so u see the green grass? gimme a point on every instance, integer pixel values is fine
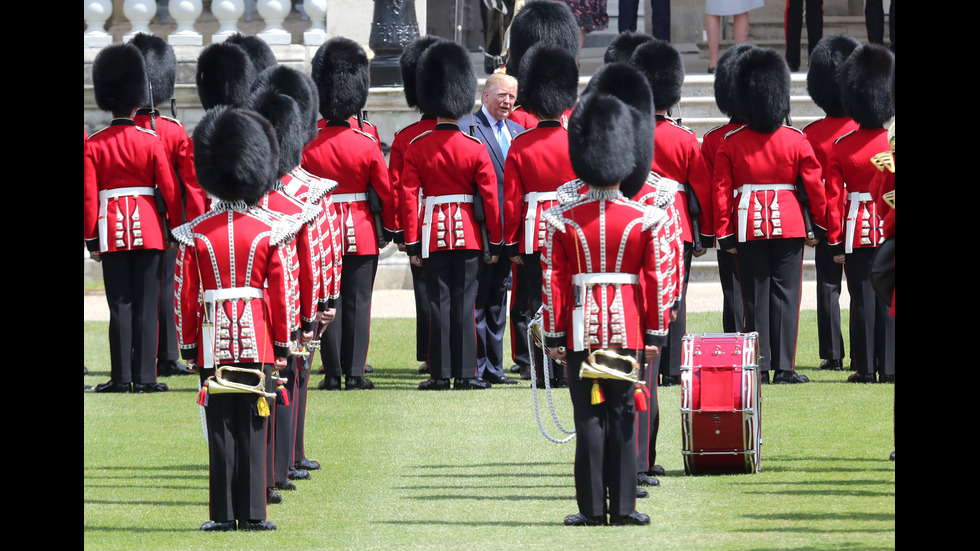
(404, 469)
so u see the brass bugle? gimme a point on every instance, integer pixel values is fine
(234, 379)
(592, 369)
(534, 329)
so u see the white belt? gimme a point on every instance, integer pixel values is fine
(104, 196)
(430, 203)
(855, 198)
(349, 197)
(606, 278)
(743, 203)
(232, 293)
(530, 231)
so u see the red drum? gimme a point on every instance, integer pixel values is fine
(720, 402)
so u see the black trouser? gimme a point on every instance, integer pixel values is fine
(648, 422)
(237, 454)
(829, 276)
(284, 422)
(298, 400)
(450, 284)
(872, 329)
(605, 443)
(132, 289)
(519, 316)
(732, 314)
(533, 280)
(874, 21)
(659, 17)
(793, 28)
(421, 314)
(167, 341)
(770, 273)
(344, 344)
(669, 360)
(491, 316)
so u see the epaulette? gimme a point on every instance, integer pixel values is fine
(184, 233)
(97, 131)
(807, 125)
(283, 229)
(569, 192)
(147, 130)
(363, 133)
(474, 138)
(735, 130)
(555, 216)
(679, 125)
(409, 125)
(666, 189)
(427, 132)
(171, 119)
(839, 138)
(793, 128)
(522, 132)
(653, 216)
(883, 160)
(713, 129)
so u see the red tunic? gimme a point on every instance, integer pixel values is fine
(771, 163)
(237, 250)
(180, 150)
(853, 217)
(677, 156)
(396, 162)
(312, 189)
(447, 168)
(537, 163)
(125, 165)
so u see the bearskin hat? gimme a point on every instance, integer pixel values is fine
(663, 66)
(866, 87)
(235, 154)
(119, 79)
(724, 84)
(160, 63)
(225, 73)
(409, 61)
(823, 76)
(286, 115)
(445, 82)
(762, 83)
(600, 140)
(342, 78)
(623, 44)
(297, 85)
(628, 84)
(541, 22)
(258, 50)
(548, 85)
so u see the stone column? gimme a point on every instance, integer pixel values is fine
(97, 13)
(185, 14)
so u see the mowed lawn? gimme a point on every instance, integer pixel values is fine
(470, 470)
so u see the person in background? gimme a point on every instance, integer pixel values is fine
(713, 12)
(659, 17)
(793, 29)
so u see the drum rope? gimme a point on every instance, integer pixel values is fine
(534, 392)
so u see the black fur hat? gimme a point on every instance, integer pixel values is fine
(548, 84)
(541, 22)
(343, 78)
(866, 85)
(628, 84)
(600, 140)
(160, 63)
(823, 76)
(297, 85)
(285, 115)
(663, 66)
(623, 44)
(408, 63)
(235, 154)
(762, 83)
(724, 84)
(445, 80)
(224, 75)
(119, 79)
(258, 50)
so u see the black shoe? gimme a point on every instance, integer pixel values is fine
(515, 368)
(358, 383)
(368, 368)
(272, 496)
(255, 525)
(656, 470)
(711, 70)
(788, 378)
(578, 519)
(171, 369)
(307, 464)
(423, 368)
(213, 526)
(832, 365)
(634, 518)
(892, 456)
(329, 383)
(886, 378)
(434, 384)
(526, 373)
(114, 387)
(858, 378)
(641, 492)
(764, 378)
(644, 479)
(298, 474)
(287, 485)
(86, 387)
(499, 380)
(471, 384)
(86, 370)
(670, 380)
(558, 383)
(146, 388)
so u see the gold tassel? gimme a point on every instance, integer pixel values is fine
(263, 407)
(597, 397)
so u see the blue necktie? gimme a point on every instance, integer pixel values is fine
(502, 138)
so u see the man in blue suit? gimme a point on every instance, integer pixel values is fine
(490, 126)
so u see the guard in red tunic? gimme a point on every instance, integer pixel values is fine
(447, 170)
(363, 201)
(601, 291)
(537, 164)
(678, 158)
(130, 204)
(823, 84)
(232, 309)
(769, 200)
(407, 63)
(732, 313)
(856, 227)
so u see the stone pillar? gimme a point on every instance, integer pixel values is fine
(394, 25)
(316, 10)
(139, 13)
(97, 13)
(227, 12)
(274, 12)
(185, 14)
